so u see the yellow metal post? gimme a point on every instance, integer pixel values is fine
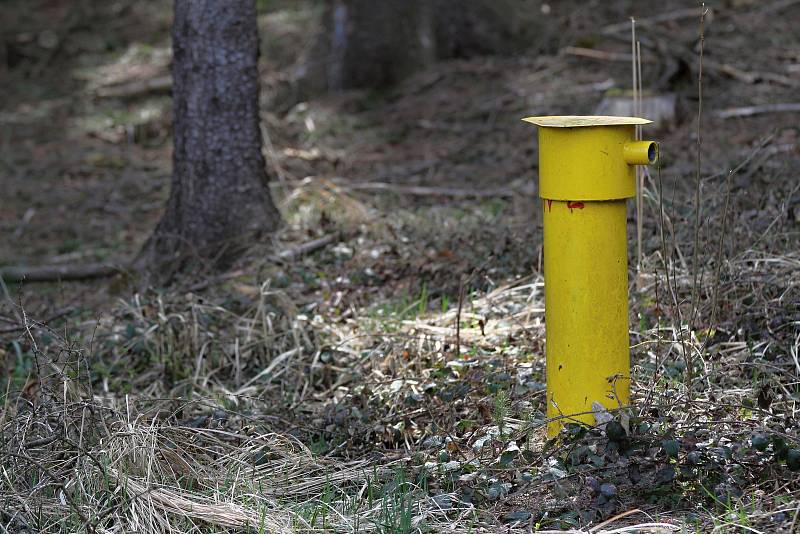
(585, 176)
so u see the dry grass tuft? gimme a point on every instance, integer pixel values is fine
(293, 398)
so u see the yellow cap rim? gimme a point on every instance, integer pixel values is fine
(582, 121)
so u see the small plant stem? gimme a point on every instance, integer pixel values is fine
(671, 285)
(697, 211)
(635, 82)
(458, 316)
(718, 274)
(721, 243)
(639, 171)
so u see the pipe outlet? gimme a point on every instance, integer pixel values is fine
(640, 152)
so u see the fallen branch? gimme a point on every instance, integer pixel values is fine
(773, 8)
(419, 190)
(51, 273)
(307, 247)
(674, 53)
(281, 257)
(748, 111)
(35, 324)
(749, 77)
(136, 88)
(720, 69)
(687, 13)
(602, 55)
(54, 273)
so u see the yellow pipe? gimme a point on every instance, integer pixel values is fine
(585, 176)
(640, 152)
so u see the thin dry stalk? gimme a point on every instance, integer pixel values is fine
(635, 86)
(672, 289)
(697, 206)
(639, 171)
(458, 316)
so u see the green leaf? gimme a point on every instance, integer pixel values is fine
(793, 459)
(780, 447)
(507, 457)
(671, 447)
(615, 431)
(760, 442)
(465, 424)
(516, 516)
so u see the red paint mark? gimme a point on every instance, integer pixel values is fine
(575, 205)
(549, 205)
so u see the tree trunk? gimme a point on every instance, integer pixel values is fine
(369, 44)
(383, 44)
(219, 194)
(468, 28)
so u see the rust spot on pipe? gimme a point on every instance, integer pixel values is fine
(549, 205)
(575, 205)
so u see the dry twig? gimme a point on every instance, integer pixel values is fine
(749, 111)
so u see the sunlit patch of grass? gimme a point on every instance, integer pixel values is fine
(146, 122)
(316, 203)
(318, 123)
(398, 507)
(406, 306)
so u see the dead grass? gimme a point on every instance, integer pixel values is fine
(344, 391)
(327, 405)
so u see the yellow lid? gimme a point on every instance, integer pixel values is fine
(578, 121)
(585, 163)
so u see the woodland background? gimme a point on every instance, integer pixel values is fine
(378, 362)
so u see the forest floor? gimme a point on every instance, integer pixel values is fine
(333, 391)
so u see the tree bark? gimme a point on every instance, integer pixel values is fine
(385, 43)
(219, 195)
(369, 44)
(468, 28)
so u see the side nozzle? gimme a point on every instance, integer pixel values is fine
(640, 152)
